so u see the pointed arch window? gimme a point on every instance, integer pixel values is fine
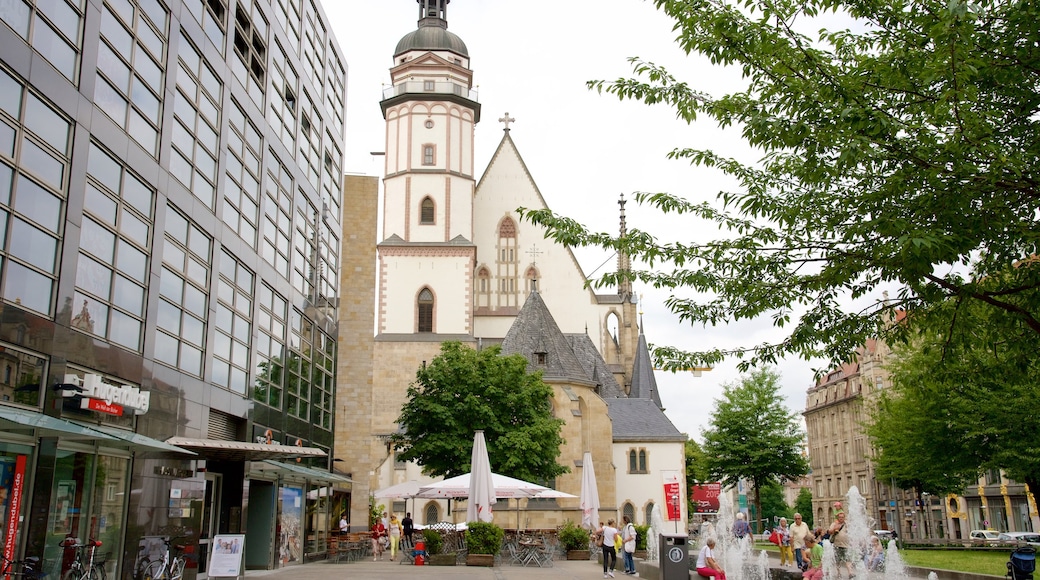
(650, 510)
(429, 154)
(426, 213)
(628, 510)
(508, 264)
(425, 317)
(642, 460)
(483, 288)
(632, 465)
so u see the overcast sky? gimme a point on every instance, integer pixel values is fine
(532, 59)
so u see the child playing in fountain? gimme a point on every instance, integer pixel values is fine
(813, 554)
(875, 557)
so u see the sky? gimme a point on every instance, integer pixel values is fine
(532, 59)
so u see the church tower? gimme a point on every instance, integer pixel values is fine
(427, 252)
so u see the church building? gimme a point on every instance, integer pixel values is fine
(454, 261)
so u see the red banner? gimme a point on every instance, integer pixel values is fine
(705, 497)
(672, 495)
(14, 499)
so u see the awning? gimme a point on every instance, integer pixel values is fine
(293, 469)
(220, 450)
(138, 441)
(47, 425)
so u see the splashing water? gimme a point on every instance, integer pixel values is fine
(656, 527)
(895, 569)
(737, 555)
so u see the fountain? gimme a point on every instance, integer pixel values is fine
(656, 527)
(736, 555)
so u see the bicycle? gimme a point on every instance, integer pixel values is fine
(28, 569)
(78, 569)
(170, 567)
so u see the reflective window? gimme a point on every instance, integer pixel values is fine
(52, 27)
(242, 188)
(234, 313)
(282, 97)
(278, 187)
(22, 377)
(196, 126)
(251, 49)
(298, 368)
(211, 14)
(183, 294)
(272, 320)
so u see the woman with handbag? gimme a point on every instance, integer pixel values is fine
(607, 534)
(378, 533)
(783, 534)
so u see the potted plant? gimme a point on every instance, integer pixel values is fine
(483, 542)
(575, 540)
(641, 532)
(434, 542)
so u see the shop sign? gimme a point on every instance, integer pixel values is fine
(106, 398)
(706, 497)
(15, 503)
(672, 495)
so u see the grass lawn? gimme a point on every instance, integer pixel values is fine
(992, 562)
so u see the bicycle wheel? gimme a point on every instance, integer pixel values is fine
(96, 573)
(153, 571)
(72, 573)
(177, 568)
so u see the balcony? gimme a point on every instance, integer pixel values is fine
(432, 88)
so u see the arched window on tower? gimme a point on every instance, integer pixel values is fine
(426, 214)
(531, 280)
(632, 465)
(425, 317)
(508, 264)
(648, 512)
(483, 298)
(642, 461)
(629, 510)
(431, 515)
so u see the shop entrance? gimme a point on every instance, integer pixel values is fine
(210, 519)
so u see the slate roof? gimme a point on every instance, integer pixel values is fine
(640, 420)
(535, 331)
(644, 384)
(595, 367)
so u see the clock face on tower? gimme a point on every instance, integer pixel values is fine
(429, 123)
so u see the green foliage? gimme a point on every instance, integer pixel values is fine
(803, 505)
(963, 399)
(752, 435)
(374, 511)
(462, 390)
(433, 540)
(696, 466)
(897, 153)
(773, 505)
(573, 536)
(641, 532)
(484, 538)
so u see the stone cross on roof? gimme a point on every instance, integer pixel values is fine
(507, 120)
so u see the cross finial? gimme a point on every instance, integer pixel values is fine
(534, 253)
(507, 120)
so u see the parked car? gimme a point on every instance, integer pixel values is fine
(1031, 538)
(989, 536)
(883, 534)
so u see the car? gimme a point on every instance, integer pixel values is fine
(883, 534)
(988, 536)
(1031, 538)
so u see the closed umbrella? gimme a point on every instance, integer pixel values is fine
(589, 493)
(481, 487)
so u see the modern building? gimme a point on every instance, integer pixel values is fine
(170, 202)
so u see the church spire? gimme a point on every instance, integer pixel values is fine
(433, 13)
(623, 262)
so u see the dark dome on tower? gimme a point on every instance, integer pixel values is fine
(432, 33)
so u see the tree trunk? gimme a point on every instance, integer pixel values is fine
(758, 507)
(924, 510)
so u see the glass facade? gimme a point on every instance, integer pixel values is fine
(170, 198)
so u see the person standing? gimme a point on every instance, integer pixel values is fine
(839, 536)
(408, 528)
(628, 536)
(378, 532)
(799, 533)
(607, 532)
(741, 527)
(344, 526)
(784, 533)
(395, 536)
(706, 563)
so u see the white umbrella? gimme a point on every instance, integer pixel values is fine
(406, 490)
(589, 493)
(458, 486)
(481, 487)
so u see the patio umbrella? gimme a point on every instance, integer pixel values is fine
(405, 491)
(547, 494)
(458, 486)
(589, 493)
(481, 487)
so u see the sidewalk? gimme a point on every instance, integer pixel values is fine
(562, 570)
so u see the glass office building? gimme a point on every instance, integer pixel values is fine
(170, 202)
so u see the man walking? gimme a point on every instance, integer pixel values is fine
(799, 532)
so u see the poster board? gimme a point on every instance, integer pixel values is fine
(225, 558)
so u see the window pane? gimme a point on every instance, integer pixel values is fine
(16, 15)
(138, 195)
(42, 164)
(104, 169)
(166, 349)
(46, 123)
(93, 277)
(53, 47)
(125, 330)
(6, 173)
(37, 204)
(113, 67)
(30, 289)
(33, 245)
(110, 101)
(169, 317)
(61, 14)
(97, 240)
(6, 139)
(95, 317)
(132, 261)
(128, 296)
(134, 228)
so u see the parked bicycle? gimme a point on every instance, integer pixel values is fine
(83, 565)
(169, 567)
(27, 569)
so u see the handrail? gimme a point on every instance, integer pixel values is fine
(430, 88)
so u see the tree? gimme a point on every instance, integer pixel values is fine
(899, 153)
(696, 467)
(774, 506)
(462, 390)
(803, 505)
(752, 436)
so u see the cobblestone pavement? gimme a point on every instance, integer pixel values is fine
(561, 570)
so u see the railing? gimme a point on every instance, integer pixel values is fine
(431, 88)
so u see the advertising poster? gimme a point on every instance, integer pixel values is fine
(225, 559)
(290, 522)
(11, 484)
(673, 495)
(706, 497)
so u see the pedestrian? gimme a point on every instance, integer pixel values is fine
(874, 559)
(784, 534)
(378, 533)
(839, 536)
(812, 554)
(407, 528)
(741, 527)
(607, 532)
(706, 563)
(799, 533)
(344, 526)
(628, 536)
(395, 536)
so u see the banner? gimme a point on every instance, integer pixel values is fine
(14, 504)
(706, 497)
(672, 495)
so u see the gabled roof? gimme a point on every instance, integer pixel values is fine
(640, 420)
(535, 331)
(595, 367)
(644, 384)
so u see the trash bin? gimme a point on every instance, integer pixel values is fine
(674, 557)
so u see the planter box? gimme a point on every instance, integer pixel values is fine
(578, 555)
(442, 560)
(486, 560)
(641, 554)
